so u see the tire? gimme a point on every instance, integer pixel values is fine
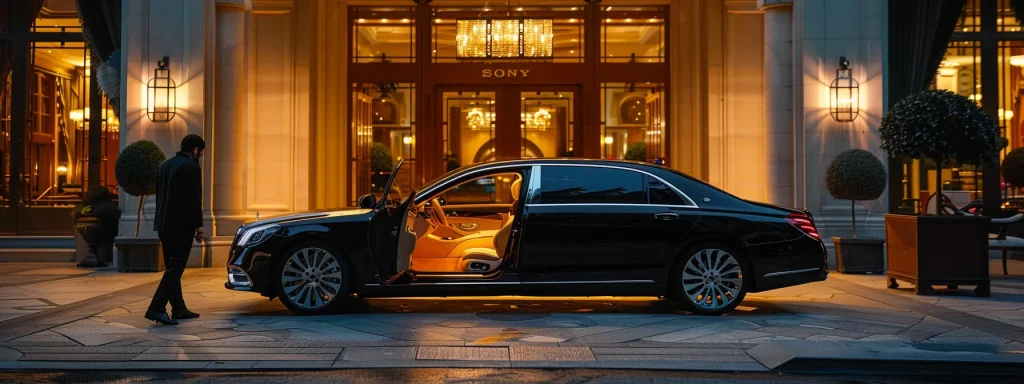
(313, 278)
(692, 277)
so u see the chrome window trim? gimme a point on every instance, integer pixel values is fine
(534, 187)
(692, 203)
(783, 273)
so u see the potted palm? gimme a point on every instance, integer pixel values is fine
(135, 170)
(938, 249)
(381, 163)
(855, 175)
(96, 219)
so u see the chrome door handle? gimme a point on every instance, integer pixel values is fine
(666, 216)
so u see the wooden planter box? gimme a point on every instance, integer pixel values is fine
(938, 250)
(859, 255)
(139, 254)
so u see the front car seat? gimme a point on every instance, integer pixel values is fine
(488, 259)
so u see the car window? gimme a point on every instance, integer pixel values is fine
(660, 194)
(491, 189)
(589, 185)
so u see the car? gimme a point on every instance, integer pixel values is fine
(533, 227)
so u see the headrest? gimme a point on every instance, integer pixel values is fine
(516, 185)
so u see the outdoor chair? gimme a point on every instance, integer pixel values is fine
(998, 241)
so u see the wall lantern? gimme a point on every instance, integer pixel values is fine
(161, 96)
(844, 94)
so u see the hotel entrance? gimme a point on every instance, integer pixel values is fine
(487, 123)
(442, 87)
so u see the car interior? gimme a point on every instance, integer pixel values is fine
(464, 229)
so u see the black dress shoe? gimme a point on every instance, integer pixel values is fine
(160, 317)
(184, 315)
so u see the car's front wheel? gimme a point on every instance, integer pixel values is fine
(313, 278)
(709, 280)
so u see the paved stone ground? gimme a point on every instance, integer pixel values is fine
(93, 320)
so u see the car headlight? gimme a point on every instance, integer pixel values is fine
(256, 235)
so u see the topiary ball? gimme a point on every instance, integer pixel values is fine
(1013, 167)
(380, 158)
(636, 152)
(136, 167)
(856, 175)
(939, 125)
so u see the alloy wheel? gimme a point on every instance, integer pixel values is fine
(712, 279)
(312, 278)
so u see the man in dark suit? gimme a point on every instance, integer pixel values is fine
(179, 221)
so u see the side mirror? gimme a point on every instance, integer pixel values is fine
(367, 201)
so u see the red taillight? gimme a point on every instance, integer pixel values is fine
(804, 223)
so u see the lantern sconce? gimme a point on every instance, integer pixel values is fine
(160, 98)
(844, 95)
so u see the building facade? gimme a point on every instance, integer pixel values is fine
(303, 102)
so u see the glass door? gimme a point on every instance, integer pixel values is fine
(547, 123)
(468, 123)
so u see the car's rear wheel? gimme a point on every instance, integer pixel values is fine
(709, 280)
(313, 278)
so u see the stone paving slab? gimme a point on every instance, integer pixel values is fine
(713, 358)
(539, 353)
(379, 354)
(462, 353)
(234, 356)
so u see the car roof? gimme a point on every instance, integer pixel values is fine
(559, 161)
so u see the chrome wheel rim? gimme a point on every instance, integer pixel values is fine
(712, 279)
(311, 278)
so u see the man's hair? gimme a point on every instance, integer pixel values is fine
(192, 141)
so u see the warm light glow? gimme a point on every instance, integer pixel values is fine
(1017, 61)
(975, 97)
(947, 71)
(405, 20)
(78, 114)
(629, 20)
(608, 140)
(653, 20)
(498, 38)
(62, 170)
(572, 20)
(362, 20)
(437, 20)
(407, 140)
(1005, 114)
(383, 20)
(478, 118)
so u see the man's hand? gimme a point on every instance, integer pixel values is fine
(199, 235)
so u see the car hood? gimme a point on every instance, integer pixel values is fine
(296, 217)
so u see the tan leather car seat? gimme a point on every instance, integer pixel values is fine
(488, 259)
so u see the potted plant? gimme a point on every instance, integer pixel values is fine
(855, 175)
(381, 163)
(636, 152)
(96, 219)
(938, 249)
(135, 170)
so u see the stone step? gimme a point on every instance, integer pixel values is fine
(37, 254)
(37, 242)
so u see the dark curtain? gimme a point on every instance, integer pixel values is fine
(6, 24)
(101, 26)
(1018, 10)
(919, 31)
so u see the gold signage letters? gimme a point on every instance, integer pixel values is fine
(505, 73)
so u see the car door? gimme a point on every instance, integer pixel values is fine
(596, 223)
(390, 237)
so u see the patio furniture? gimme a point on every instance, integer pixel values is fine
(1003, 243)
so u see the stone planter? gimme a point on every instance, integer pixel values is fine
(938, 250)
(95, 235)
(139, 254)
(859, 255)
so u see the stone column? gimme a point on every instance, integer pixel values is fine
(779, 132)
(227, 150)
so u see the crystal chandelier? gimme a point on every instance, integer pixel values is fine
(479, 119)
(539, 120)
(504, 38)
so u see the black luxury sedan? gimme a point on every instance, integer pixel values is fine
(538, 227)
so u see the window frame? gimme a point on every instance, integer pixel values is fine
(534, 188)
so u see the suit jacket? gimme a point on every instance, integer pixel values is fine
(179, 195)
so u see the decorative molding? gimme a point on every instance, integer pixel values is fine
(272, 7)
(768, 4)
